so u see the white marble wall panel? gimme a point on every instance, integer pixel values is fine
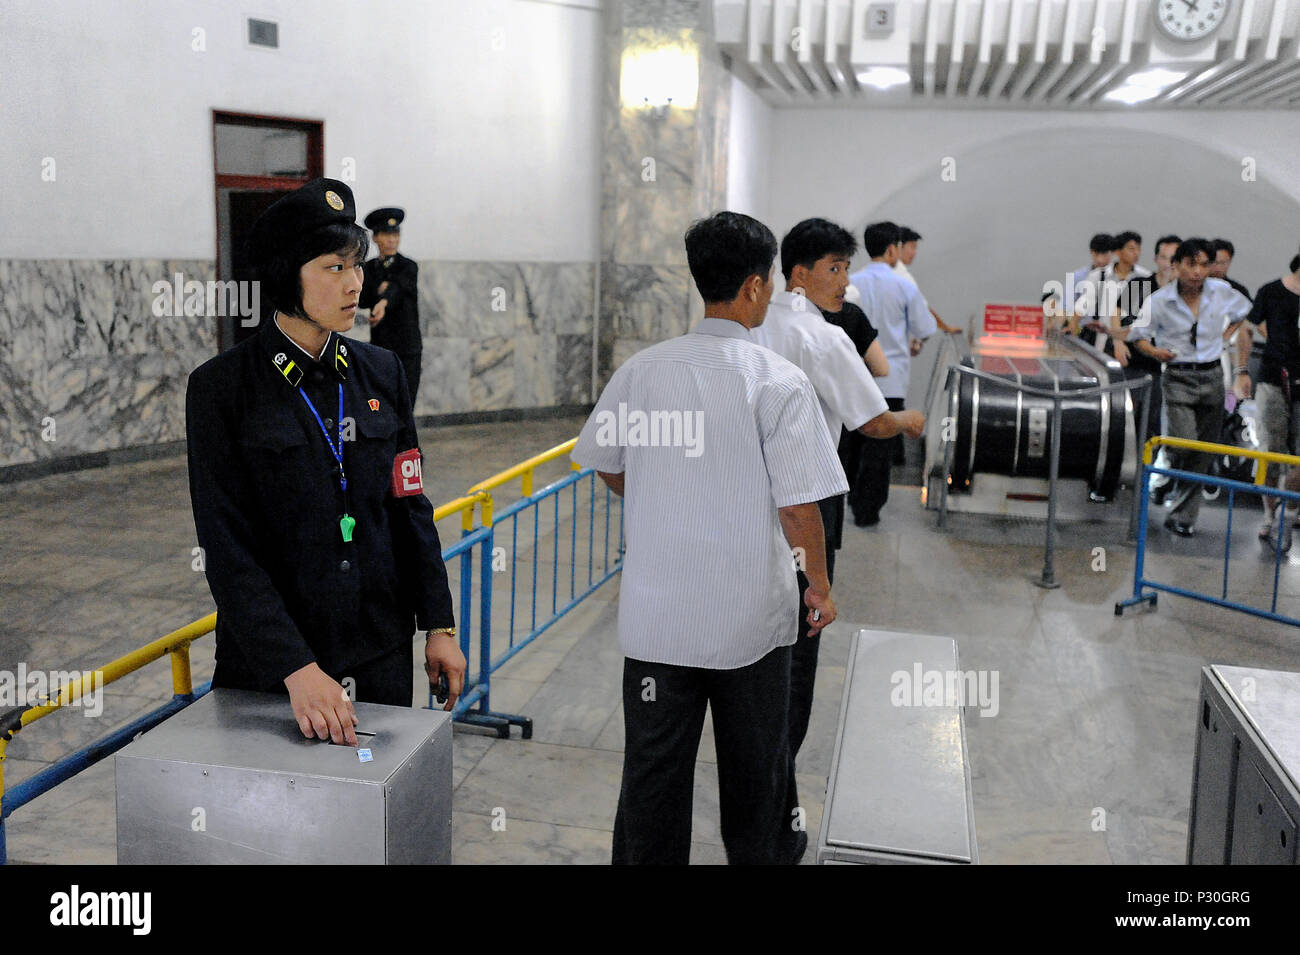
(444, 377)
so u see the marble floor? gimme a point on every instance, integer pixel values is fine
(1096, 712)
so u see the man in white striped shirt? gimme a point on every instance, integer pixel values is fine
(708, 578)
(815, 258)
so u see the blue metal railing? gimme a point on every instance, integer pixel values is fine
(1147, 591)
(474, 705)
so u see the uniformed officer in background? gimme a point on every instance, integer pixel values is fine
(305, 479)
(391, 292)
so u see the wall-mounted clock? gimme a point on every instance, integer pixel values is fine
(1190, 19)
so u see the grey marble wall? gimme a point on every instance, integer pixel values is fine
(86, 364)
(662, 169)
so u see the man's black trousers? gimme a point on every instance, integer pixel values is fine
(663, 716)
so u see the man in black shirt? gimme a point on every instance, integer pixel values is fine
(1277, 309)
(391, 292)
(864, 336)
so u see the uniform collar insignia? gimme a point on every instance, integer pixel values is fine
(290, 361)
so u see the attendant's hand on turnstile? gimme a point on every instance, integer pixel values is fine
(442, 656)
(321, 705)
(1121, 353)
(821, 610)
(913, 422)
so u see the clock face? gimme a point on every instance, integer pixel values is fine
(1190, 19)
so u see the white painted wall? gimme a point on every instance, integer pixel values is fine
(481, 118)
(1032, 187)
(748, 146)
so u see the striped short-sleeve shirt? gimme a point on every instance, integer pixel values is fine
(713, 433)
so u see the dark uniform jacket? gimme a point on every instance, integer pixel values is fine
(399, 329)
(267, 502)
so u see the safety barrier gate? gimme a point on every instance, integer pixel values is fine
(483, 655)
(1146, 590)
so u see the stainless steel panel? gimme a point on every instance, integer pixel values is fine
(1213, 784)
(1270, 701)
(231, 779)
(1263, 833)
(900, 787)
(419, 805)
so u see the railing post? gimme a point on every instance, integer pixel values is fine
(1141, 429)
(1048, 580)
(485, 617)
(182, 679)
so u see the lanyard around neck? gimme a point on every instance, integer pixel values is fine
(346, 521)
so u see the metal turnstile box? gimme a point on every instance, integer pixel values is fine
(899, 789)
(1246, 779)
(231, 779)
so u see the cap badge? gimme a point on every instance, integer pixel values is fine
(392, 222)
(333, 199)
(374, 404)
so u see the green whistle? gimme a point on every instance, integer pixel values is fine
(346, 523)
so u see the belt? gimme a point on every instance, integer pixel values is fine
(1193, 365)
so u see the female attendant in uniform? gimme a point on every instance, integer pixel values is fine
(305, 479)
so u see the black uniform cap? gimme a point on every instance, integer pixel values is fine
(321, 202)
(386, 219)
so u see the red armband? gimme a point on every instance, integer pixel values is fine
(408, 480)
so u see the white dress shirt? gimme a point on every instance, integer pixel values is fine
(1167, 322)
(795, 329)
(1104, 298)
(708, 577)
(899, 311)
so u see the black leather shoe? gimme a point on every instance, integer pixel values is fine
(866, 521)
(1179, 528)
(1160, 494)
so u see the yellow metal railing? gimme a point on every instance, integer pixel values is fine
(1187, 444)
(523, 470)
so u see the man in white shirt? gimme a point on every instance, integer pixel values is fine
(815, 258)
(1103, 296)
(1184, 325)
(898, 309)
(906, 254)
(713, 509)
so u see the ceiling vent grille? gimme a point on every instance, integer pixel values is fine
(263, 33)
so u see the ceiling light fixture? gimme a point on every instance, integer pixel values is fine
(883, 77)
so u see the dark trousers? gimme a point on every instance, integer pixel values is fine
(1194, 403)
(1138, 365)
(803, 655)
(663, 719)
(869, 486)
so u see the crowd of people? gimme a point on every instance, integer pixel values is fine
(1183, 324)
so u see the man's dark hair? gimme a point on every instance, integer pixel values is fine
(879, 236)
(1124, 238)
(815, 239)
(1188, 248)
(1102, 242)
(908, 234)
(1223, 245)
(279, 274)
(1166, 240)
(1295, 263)
(726, 249)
